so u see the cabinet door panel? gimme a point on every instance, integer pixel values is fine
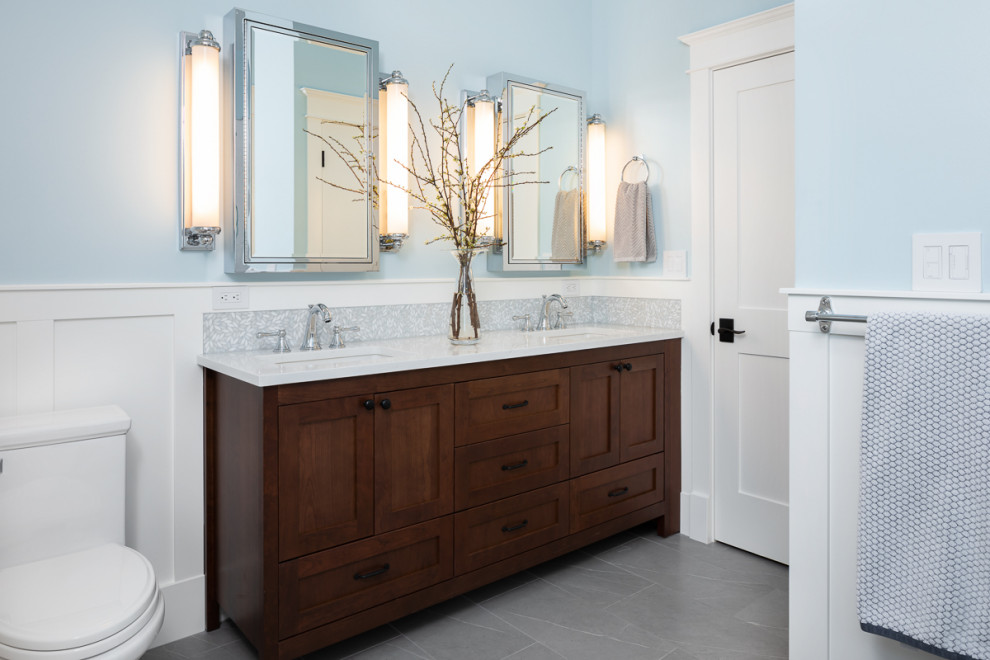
(325, 474)
(594, 417)
(641, 403)
(414, 456)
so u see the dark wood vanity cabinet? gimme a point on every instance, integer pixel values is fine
(336, 506)
(618, 412)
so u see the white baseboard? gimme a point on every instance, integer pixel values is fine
(695, 509)
(185, 610)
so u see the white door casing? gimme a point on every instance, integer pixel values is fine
(753, 259)
(751, 38)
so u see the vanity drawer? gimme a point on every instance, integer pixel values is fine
(608, 494)
(488, 471)
(496, 407)
(328, 585)
(496, 531)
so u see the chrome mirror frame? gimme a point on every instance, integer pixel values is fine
(239, 149)
(500, 257)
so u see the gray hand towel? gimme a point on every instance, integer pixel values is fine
(924, 504)
(635, 238)
(566, 221)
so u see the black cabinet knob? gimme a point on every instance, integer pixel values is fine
(627, 366)
(618, 367)
(386, 404)
(369, 404)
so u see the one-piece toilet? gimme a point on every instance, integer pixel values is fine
(69, 588)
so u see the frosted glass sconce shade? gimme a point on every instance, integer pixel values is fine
(596, 183)
(200, 117)
(481, 115)
(394, 100)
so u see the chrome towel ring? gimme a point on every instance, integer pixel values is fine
(560, 181)
(632, 160)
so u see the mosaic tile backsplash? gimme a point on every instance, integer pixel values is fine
(235, 331)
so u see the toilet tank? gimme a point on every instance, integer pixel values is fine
(61, 482)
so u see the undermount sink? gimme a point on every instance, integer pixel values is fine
(564, 336)
(329, 358)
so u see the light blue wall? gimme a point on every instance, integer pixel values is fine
(89, 175)
(641, 88)
(89, 146)
(893, 135)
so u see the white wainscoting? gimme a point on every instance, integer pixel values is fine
(134, 345)
(826, 404)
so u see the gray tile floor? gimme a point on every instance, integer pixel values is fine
(634, 596)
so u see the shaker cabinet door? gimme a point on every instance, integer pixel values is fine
(594, 416)
(414, 456)
(325, 474)
(641, 403)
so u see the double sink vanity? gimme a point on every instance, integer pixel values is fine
(346, 488)
(351, 486)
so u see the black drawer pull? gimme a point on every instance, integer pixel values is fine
(371, 574)
(521, 464)
(369, 404)
(618, 491)
(627, 366)
(618, 367)
(510, 406)
(386, 404)
(514, 528)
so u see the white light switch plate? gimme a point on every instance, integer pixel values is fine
(946, 262)
(675, 263)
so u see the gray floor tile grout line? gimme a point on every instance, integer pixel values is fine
(427, 655)
(577, 630)
(528, 646)
(622, 600)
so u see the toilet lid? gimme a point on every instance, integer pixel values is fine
(74, 599)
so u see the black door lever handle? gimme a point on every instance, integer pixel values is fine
(727, 330)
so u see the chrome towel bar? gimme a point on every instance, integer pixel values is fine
(824, 315)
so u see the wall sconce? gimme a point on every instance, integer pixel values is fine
(596, 183)
(394, 141)
(480, 114)
(200, 162)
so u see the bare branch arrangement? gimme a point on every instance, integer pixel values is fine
(443, 183)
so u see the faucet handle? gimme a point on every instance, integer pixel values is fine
(283, 346)
(337, 340)
(527, 323)
(563, 318)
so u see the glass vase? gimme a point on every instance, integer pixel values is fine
(465, 323)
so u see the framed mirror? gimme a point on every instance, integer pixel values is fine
(541, 202)
(303, 106)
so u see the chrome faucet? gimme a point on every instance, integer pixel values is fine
(548, 301)
(318, 311)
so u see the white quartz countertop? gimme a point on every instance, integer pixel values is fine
(264, 368)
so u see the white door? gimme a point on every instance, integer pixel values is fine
(753, 258)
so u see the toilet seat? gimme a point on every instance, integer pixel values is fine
(62, 606)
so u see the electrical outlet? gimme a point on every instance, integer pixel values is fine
(572, 289)
(230, 297)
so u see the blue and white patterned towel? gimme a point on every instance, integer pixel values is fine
(924, 509)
